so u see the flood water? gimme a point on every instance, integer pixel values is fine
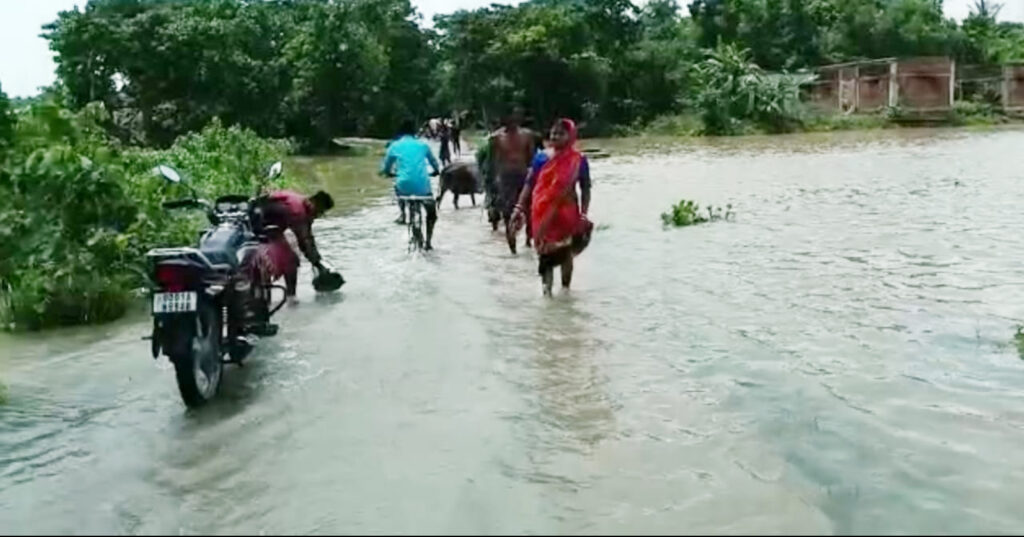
(839, 359)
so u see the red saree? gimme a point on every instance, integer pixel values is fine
(555, 213)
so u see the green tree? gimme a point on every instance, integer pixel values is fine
(989, 41)
(734, 92)
(655, 69)
(309, 69)
(6, 121)
(408, 83)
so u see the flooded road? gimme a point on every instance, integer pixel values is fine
(839, 359)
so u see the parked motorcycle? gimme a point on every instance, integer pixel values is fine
(207, 303)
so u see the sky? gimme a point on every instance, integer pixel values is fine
(26, 62)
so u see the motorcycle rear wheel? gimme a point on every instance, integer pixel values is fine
(199, 369)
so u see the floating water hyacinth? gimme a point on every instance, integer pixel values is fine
(688, 213)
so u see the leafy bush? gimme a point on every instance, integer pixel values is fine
(732, 92)
(976, 113)
(675, 125)
(80, 212)
(688, 213)
(814, 121)
(1018, 340)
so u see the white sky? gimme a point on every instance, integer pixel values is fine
(26, 62)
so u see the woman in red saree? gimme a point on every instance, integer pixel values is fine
(557, 215)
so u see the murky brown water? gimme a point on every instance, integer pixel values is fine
(837, 360)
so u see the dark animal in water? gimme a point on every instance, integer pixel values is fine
(460, 178)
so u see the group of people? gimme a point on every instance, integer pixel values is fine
(540, 183)
(448, 133)
(543, 184)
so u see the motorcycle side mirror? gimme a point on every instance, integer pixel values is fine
(168, 173)
(275, 170)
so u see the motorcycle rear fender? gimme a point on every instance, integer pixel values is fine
(172, 333)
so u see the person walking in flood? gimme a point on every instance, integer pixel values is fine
(512, 149)
(456, 129)
(561, 229)
(444, 152)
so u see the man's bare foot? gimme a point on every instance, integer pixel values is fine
(293, 300)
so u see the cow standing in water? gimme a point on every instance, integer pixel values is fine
(460, 178)
(512, 150)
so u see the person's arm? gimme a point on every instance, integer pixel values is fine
(387, 163)
(526, 193)
(584, 181)
(539, 159)
(304, 236)
(492, 155)
(531, 149)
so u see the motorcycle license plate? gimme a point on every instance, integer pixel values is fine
(174, 302)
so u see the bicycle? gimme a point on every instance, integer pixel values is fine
(414, 204)
(415, 221)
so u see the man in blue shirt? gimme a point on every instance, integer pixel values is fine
(411, 157)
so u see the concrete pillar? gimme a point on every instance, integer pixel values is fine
(952, 82)
(894, 85)
(1007, 72)
(856, 89)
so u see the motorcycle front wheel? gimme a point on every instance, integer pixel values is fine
(199, 368)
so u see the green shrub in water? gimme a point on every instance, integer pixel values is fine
(688, 213)
(1018, 339)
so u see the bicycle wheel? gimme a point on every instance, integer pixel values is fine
(417, 237)
(415, 229)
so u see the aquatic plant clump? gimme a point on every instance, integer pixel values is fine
(688, 213)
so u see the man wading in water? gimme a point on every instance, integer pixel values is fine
(512, 149)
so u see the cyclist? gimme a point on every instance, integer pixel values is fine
(411, 155)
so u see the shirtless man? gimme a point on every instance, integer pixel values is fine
(511, 152)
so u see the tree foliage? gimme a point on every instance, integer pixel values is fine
(315, 69)
(6, 121)
(80, 211)
(733, 92)
(304, 69)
